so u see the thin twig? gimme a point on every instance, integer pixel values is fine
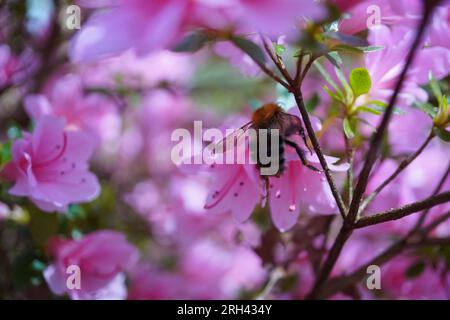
(306, 69)
(436, 223)
(438, 188)
(269, 72)
(404, 211)
(277, 61)
(298, 70)
(350, 154)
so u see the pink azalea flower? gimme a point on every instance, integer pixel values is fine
(102, 258)
(386, 65)
(276, 18)
(440, 27)
(92, 113)
(407, 130)
(300, 188)
(149, 25)
(392, 12)
(50, 166)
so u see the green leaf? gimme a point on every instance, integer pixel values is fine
(279, 49)
(192, 42)
(349, 130)
(333, 95)
(360, 81)
(371, 48)
(415, 270)
(250, 48)
(345, 85)
(312, 103)
(435, 88)
(369, 109)
(42, 225)
(347, 49)
(327, 77)
(442, 117)
(443, 134)
(428, 108)
(347, 39)
(332, 59)
(5, 153)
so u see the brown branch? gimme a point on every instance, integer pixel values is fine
(298, 70)
(436, 223)
(306, 69)
(404, 211)
(268, 72)
(445, 241)
(277, 61)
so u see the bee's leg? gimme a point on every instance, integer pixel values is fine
(301, 154)
(265, 196)
(301, 131)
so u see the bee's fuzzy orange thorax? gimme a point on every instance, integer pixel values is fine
(265, 113)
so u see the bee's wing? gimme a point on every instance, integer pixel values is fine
(231, 139)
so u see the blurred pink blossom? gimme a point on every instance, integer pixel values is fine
(150, 25)
(102, 256)
(15, 68)
(392, 12)
(50, 166)
(429, 284)
(92, 113)
(133, 71)
(204, 270)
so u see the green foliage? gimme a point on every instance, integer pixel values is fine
(193, 42)
(415, 270)
(360, 81)
(279, 49)
(349, 127)
(43, 225)
(5, 153)
(312, 103)
(250, 48)
(218, 85)
(443, 134)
